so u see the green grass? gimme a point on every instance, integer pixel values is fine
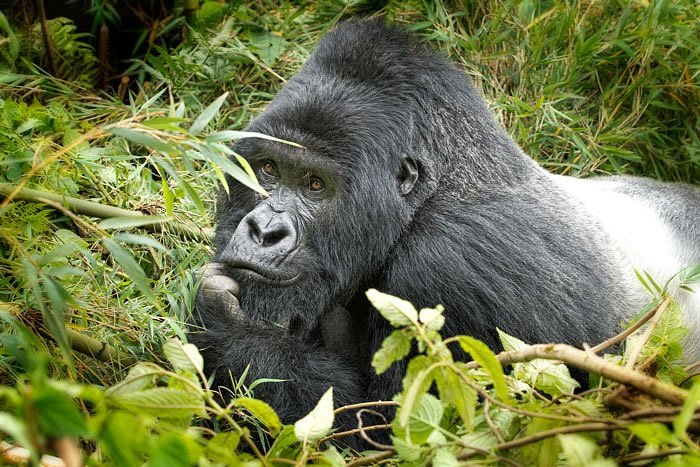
(586, 88)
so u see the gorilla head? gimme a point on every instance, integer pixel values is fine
(379, 133)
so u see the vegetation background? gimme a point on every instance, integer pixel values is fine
(133, 109)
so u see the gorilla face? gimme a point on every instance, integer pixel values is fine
(297, 249)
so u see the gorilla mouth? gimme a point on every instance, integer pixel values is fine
(260, 274)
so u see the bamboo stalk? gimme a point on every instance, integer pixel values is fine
(93, 209)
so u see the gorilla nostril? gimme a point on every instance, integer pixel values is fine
(273, 237)
(255, 233)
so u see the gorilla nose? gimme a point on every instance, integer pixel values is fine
(274, 232)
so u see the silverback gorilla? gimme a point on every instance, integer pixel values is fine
(405, 183)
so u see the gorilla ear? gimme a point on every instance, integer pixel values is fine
(408, 175)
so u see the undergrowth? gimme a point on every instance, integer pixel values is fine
(87, 291)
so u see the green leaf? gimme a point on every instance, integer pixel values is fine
(58, 413)
(143, 139)
(169, 450)
(433, 318)
(16, 428)
(285, 445)
(140, 376)
(481, 354)
(394, 348)
(415, 392)
(422, 420)
(319, 422)
(453, 391)
(231, 135)
(124, 438)
(184, 357)
(207, 115)
(579, 450)
(161, 402)
(262, 411)
(654, 434)
(131, 267)
(134, 239)
(222, 448)
(685, 416)
(395, 310)
(407, 451)
(128, 222)
(445, 458)
(544, 453)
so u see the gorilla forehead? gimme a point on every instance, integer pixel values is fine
(338, 118)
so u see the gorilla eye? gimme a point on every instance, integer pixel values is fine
(316, 184)
(270, 168)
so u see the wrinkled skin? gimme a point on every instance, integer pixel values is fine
(405, 183)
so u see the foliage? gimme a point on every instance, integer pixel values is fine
(87, 290)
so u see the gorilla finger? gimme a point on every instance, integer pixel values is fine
(220, 283)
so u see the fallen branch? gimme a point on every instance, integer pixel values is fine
(592, 363)
(15, 455)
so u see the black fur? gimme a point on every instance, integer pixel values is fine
(484, 230)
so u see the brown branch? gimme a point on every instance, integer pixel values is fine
(626, 333)
(516, 443)
(592, 363)
(637, 350)
(47, 38)
(363, 405)
(371, 459)
(14, 455)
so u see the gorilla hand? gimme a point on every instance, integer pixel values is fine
(219, 291)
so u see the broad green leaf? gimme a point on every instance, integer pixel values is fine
(455, 392)
(169, 450)
(422, 420)
(222, 448)
(395, 347)
(131, 267)
(140, 376)
(433, 318)
(319, 422)
(397, 311)
(161, 402)
(207, 115)
(683, 419)
(124, 438)
(654, 434)
(544, 453)
(414, 394)
(262, 411)
(185, 357)
(445, 458)
(408, 452)
(129, 222)
(579, 450)
(481, 354)
(546, 375)
(285, 445)
(57, 412)
(332, 457)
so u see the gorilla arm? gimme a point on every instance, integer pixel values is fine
(231, 343)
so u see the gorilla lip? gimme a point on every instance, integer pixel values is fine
(255, 272)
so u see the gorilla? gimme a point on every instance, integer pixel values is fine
(404, 182)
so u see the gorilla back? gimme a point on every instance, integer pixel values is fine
(405, 183)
